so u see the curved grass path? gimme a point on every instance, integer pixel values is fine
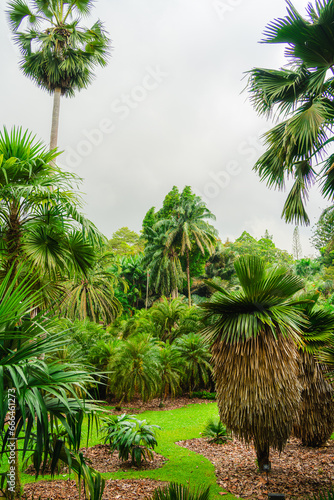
(183, 466)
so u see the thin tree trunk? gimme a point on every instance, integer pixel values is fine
(188, 278)
(146, 300)
(262, 454)
(55, 119)
(13, 239)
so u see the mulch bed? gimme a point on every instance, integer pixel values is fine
(137, 405)
(298, 472)
(100, 458)
(127, 489)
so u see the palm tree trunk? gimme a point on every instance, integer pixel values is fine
(147, 279)
(188, 278)
(55, 119)
(13, 238)
(262, 454)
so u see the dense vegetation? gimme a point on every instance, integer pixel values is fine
(173, 310)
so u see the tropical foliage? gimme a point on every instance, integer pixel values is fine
(131, 437)
(174, 491)
(57, 53)
(301, 94)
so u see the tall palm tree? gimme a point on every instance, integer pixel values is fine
(303, 94)
(58, 54)
(40, 224)
(253, 335)
(188, 228)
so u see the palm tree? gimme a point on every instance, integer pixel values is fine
(167, 316)
(188, 228)
(170, 369)
(135, 369)
(165, 270)
(195, 355)
(315, 424)
(39, 220)
(303, 94)
(58, 54)
(91, 295)
(253, 335)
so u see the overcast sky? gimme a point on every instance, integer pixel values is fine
(168, 110)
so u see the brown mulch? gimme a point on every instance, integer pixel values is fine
(127, 489)
(100, 458)
(138, 406)
(298, 472)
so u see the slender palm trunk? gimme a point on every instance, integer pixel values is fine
(13, 238)
(55, 119)
(147, 281)
(262, 454)
(188, 278)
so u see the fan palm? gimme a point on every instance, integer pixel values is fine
(188, 228)
(195, 354)
(170, 369)
(91, 296)
(58, 54)
(135, 369)
(165, 270)
(167, 316)
(253, 333)
(39, 221)
(316, 414)
(303, 94)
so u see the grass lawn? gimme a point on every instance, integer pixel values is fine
(183, 466)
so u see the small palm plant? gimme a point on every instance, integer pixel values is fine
(216, 432)
(174, 491)
(130, 437)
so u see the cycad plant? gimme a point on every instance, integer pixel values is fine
(253, 335)
(130, 437)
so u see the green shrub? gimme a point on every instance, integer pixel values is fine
(203, 395)
(174, 491)
(216, 432)
(130, 437)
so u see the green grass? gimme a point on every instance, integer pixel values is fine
(183, 466)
